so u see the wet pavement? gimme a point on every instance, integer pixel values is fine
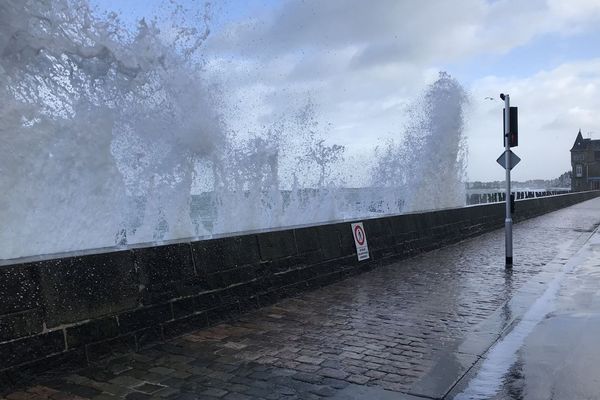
(416, 328)
(559, 357)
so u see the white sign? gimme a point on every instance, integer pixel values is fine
(514, 160)
(360, 240)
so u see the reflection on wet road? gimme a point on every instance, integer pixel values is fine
(552, 352)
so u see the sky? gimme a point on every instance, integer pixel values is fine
(362, 63)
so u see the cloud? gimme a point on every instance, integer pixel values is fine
(363, 62)
(387, 27)
(393, 31)
(553, 106)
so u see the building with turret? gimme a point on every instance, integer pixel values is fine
(585, 161)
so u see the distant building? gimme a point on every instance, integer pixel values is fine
(585, 161)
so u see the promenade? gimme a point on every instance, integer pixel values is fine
(417, 328)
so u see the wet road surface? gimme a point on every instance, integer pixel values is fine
(411, 329)
(559, 358)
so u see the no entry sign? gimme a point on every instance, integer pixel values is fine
(360, 240)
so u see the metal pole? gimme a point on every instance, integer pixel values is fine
(508, 220)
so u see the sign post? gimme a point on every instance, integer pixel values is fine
(508, 242)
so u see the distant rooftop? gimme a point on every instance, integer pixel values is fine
(585, 144)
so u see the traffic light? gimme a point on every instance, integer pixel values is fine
(513, 135)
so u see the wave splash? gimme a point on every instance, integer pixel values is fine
(107, 130)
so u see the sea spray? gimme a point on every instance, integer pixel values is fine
(428, 165)
(106, 129)
(101, 127)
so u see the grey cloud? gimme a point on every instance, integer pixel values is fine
(385, 53)
(333, 24)
(362, 61)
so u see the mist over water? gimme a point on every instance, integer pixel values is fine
(113, 136)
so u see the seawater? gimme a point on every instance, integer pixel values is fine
(113, 135)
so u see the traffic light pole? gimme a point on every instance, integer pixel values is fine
(508, 221)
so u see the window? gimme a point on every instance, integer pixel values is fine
(597, 155)
(578, 171)
(578, 157)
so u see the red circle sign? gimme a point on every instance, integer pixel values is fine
(359, 235)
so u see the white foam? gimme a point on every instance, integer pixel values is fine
(105, 131)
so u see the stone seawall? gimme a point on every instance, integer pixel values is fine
(81, 307)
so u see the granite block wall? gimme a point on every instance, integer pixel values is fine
(81, 307)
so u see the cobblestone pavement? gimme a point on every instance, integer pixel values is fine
(558, 358)
(385, 330)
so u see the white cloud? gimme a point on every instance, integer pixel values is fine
(553, 105)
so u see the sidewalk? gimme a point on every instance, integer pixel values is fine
(412, 328)
(551, 351)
